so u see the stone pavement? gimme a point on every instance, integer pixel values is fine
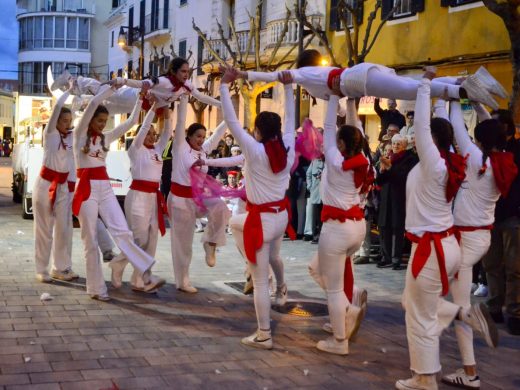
(178, 341)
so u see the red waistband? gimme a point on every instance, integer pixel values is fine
(144, 186)
(332, 74)
(355, 213)
(56, 178)
(85, 175)
(72, 186)
(97, 173)
(253, 232)
(423, 250)
(180, 190)
(473, 228)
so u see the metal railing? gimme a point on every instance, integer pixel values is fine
(76, 6)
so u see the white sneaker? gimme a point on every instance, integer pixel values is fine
(331, 345)
(478, 92)
(353, 321)
(188, 289)
(474, 287)
(108, 255)
(43, 278)
(199, 229)
(418, 382)
(210, 250)
(154, 283)
(118, 268)
(280, 297)
(260, 339)
(460, 379)
(480, 320)
(61, 81)
(100, 297)
(491, 84)
(481, 291)
(66, 275)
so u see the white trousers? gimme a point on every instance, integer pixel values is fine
(105, 242)
(103, 202)
(141, 215)
(427, 313)
(122, 101)
(52, 227)
(273, 228)
(309, 209)
(182, 222)
(474, 245)
(337, 242)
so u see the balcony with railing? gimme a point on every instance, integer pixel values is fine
(69, 6)
(275, 30)
(156, 23)
(220, 48)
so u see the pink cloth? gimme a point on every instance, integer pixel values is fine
(204, 187)
(309, 143)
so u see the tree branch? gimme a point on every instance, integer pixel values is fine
(383, 21)
(257, 18)
(225, 41)
(235, 37)
(370, 21)
(207, 43)
(281, 38)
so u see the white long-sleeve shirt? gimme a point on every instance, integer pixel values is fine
(57, 148)
(226, 162)
(262, 185)
(145, 163)
(426, 207)
(337, 186)
(96, 155)
(476, 199)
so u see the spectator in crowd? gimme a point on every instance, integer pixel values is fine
(502, 262)
(229, 140)
(393, 171)
(297, 196)
(391, 115)
(313, 187)
(408, 129)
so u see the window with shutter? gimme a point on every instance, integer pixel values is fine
(405, 8)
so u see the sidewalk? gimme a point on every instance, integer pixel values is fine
(180, 341)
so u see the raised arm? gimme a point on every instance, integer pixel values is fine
(225, 162)
(464, 142)
(352, 117)
(180, 127)
(439, 109)
(426, 149)
(212, 142)
(329, 128)
(201, 97)
(137, 143)
(82, 127)
(289, 125)
(166, 133)
(482, 113)
(377, 107)
(117, 132)
(53, 120)
(260, 76)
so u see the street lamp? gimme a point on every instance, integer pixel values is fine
(123, 40)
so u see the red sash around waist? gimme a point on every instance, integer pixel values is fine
(72, 185)
(56, 178)
(180, 190)
(85, 175)
(355, 213)
(253, 233)
(473, 228)
(332, 75)
(423, 250)
(153, 187)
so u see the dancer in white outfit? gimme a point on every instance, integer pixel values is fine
(145, 205)
(473, 215)
(368, 79)
(435, 258)
(94, 196)
(259, 233)
(181, 207)
(52, 219)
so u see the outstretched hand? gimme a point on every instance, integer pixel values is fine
(230, 74)
(198, 163)
(285, 77)
(430, 72)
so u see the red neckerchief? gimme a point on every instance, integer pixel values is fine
(276, 154)
(358, 164)
(504, 170)
(396, 157)
(177, 84)
(94, 136)
(456, 173)
(149, 147)
(62, 138)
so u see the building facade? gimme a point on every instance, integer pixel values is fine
(7, 104)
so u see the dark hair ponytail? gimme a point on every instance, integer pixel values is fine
(85, 149)
(352, 138)
(491, 135)
(269, 124)
(176, 64)
(309, 57)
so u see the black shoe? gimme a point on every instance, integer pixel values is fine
(315, 241)
(513, 325)
(307, 237)
(384, 264)
(398, 267)
(497, 316)
(299, 236)
(362, 260)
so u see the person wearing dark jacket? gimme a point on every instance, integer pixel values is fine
(392, 210)
(502, 262)
(389, 116)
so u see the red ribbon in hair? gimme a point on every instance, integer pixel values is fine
(358, 164)
(276, 154)
(504, 170)
(456, 166)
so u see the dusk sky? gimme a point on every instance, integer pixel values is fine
(8, 40)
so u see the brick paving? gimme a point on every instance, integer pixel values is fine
(178, 341)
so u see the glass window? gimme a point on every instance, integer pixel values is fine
(72, 30)
(166, 13)
(59, 31)
(38, 32)
(182, 49)
(37, 78)
(404, 8)
(23, 34)
(30, 32)
(48, 31)
(84, 24)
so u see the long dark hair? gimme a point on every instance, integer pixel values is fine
(352, 138)
(193, 128)
(269, 124)
(85, 149)
(491, 134)
(64, 110)
(176, 64)
(309, 57)
(505, 117)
